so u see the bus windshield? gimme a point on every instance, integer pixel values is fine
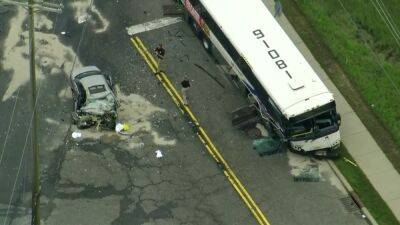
(302, 128)
(312, 126)
(324, 120)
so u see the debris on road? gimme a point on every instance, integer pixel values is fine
(159, 153)
(349, 161)
(308, 174)
(266, 146)
(120, 128)
(82, 19)
(76, 135)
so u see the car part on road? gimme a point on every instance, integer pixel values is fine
(266, 146)
(76, 135)
(308, 174)
(159, 153)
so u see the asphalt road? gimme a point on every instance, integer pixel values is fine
(106, 178)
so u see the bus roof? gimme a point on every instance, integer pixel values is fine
(296, 88)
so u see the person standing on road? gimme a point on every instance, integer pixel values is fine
(278, 8)
(160, 54)
(185, 87)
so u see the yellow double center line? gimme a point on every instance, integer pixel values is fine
(162, 77)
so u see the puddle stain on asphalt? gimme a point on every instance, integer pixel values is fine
(93, 15)
(52, 57)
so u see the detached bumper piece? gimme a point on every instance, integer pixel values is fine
(267, 146)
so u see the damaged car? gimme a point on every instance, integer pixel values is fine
(94, 99)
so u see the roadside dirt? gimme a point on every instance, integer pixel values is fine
(328, 62)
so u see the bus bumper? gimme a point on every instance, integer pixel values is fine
(327, 146)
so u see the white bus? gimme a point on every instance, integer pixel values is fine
(289, 93)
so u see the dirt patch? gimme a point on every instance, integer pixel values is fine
(328, 62)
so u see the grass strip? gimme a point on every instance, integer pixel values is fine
(323, 30)
(368, 195)
(343, 49)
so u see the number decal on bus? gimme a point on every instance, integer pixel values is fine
(273, 53)
(258, 33)
(280, 63)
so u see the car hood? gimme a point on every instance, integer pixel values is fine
(100, 106)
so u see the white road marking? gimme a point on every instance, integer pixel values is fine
(152, 25)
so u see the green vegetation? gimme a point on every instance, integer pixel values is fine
(356, 41)
(366, 50)
(371, 199)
